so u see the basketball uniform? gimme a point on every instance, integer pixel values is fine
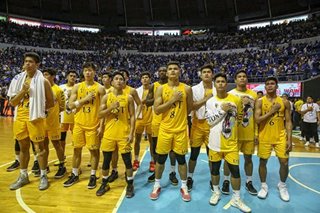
(144, 123)
(117, 126)
(86, 118)
(156, 119)
(67, 116)
(173, 131)
(223, 136)
(247, 127)
(23, 127)
(272, 132)
(52, 125)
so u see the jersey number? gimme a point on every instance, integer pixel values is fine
(86, 109)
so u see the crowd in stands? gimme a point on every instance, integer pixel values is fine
(66, 39)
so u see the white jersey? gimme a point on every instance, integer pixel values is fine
(311, 116)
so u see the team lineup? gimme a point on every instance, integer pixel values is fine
(111, 118)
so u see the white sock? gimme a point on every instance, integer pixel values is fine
(115, 169)
(157, 183)
(18, 158)
(24, 172)
(236, 194)
(264, 185)
(35, 158)
(183, 183)
(104, 177)
(216, 188)
(249, 178)
(282, 183)
(227, 177)
(43, 172)
(190, 175)
(130, 178)
(172, 169)
(136, 157)
(93, 172)
(75, 171)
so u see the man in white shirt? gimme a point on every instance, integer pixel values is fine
(311, 120)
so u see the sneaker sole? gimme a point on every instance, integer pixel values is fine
(13, 169)
(214, 204)
(225, 193)
(262, 198)
(68, 185)
(154, 198)
(59, 177)
(174, 184)
(41, 189)
(151, 181)
(252, 193)
(130, 196)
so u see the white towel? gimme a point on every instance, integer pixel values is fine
(140, 94)
(37, 97)
(198, 94)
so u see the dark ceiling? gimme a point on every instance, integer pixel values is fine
(158, 13)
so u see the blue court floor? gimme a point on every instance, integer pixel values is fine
(303, 184)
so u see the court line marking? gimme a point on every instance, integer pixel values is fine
(116, 208)
(297, 181)
(19, 196)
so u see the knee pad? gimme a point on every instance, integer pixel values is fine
(127, 160)
(63, 136)
(215, 167)
(17, 146)
(162, 158)
(181, 159)
(194, 153)
(106, 160)
(234, 170)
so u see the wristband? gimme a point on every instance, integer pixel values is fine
(77, 104)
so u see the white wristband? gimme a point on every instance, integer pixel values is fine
(77, 104)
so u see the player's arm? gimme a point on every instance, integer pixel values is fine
(15, 100)
(73, 97)
(150, 96)
(132, 118)
(49, 94)
(202, 102)
(134, 94)
(189, 99)
(102, 93)
(288, 124)
(258, 112)
(62, 102)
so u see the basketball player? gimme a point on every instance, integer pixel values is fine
(31, 94)
(246, 130)
(156, 120)
(52, 124)
(67, 116)
(133, 92)
(117, 108)
(143, 123)
(85, 98)
(200, 128)
(174, 101)
(222, 111)
(273, 116)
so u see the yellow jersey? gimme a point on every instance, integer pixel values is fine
(298, 104)
(201, 124)
(272, 130)
(87, 115)
(109, 90)
(23, 107)
(117, 122)
(52, 120)
(175, 119)
(156, 119)
(67, 116)
(246, 130)
(223, 136)
(127, 90)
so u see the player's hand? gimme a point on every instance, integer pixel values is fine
(90, 96)
(130, 138)
(226, 106)
(310, 108)
(288, 147)
(115, 105)
(177, 95)
(275, 107)
(100, 132)
(26, 87)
